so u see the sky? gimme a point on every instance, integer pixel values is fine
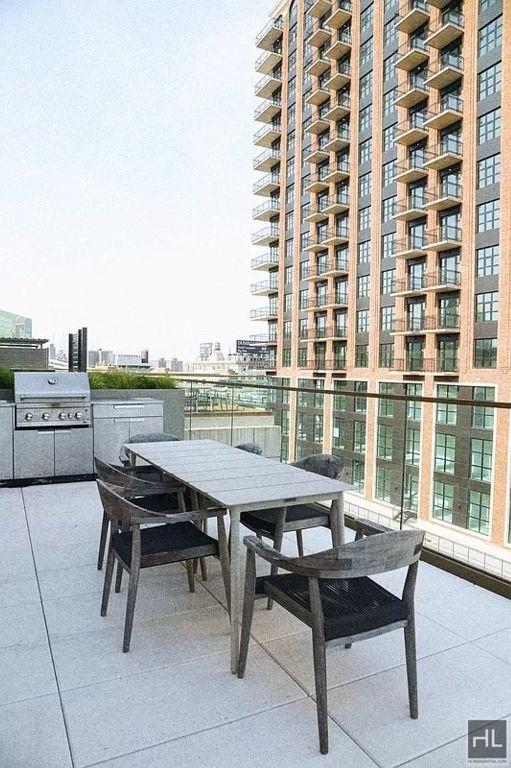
(126, 173)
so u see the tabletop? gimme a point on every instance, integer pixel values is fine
(231, 477)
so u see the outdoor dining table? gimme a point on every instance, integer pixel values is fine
(241, 482)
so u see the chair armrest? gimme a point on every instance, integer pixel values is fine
(367, 528)
(263, 550)
(193, 516)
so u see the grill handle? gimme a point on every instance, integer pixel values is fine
(55, 398)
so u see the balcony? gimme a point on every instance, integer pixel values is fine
(332, 267)
(270, 34)
(412, 168)
(444, 323)
(324, 301)
(319, 64)
(264, 313)
(319, 122)
(412, 53)
(266, 86)
(415, 92)
(318, 95)
(445, 195)
(441, 280)
(264, 338)
(340, 75)
(448, 152)
(411, 207)
(327, 364)
(412, 14)
(317, 180)
(410, 247)
(180, 640)
(412, 130)
(338, 139)
(266, 235)
(322, 239)
(326, 333)
(341, 44)
(444, 237)
(446, 112)
(267, 160)
(267, 62)
(267, 185)
(265, 287)
(448, 365)
(338, 171)
(268, 110)
(319, 35)
(267, 211)
(341, 13)
(447, 70)
(319, 8)
(340, 106)
(449, 29)
(265, 261)
(317, 210)
(267, 135)
(317, 154)
(415, 364)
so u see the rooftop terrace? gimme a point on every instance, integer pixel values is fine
(70, 697)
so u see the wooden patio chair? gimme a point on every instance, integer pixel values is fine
(148, 539)
(331, 592)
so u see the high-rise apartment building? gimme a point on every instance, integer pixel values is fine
(386, 210)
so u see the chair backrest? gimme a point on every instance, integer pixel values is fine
(321, 464)
(365, 557)
(120, 509)
(148, 437)
(250, 448)
(115, 476)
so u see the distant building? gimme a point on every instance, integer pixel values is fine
(175, 365)
(17, 354)
(205, 350)
(130, 362)
(144, 355)
(14, 326)
(93, 358)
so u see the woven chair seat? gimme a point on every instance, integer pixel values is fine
(264, 521)
(350, 606)
(158, 502)
(184, 540)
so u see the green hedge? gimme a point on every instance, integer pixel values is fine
(109, 380)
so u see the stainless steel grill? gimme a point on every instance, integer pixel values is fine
(52, 399)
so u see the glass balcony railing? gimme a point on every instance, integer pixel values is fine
(435, 465)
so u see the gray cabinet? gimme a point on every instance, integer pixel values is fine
(109, 435)
(34, 453)
(114, 421)
(73, 452)
(6, 445)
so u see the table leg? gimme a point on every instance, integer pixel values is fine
(132, 458)
(235, 587)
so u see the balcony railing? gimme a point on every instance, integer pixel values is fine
(265, 260)
(442, 279)
(412, 168)
(412, 14)
(266, 211)
(412, 129)
(445, 112)
(266, 135)
(328, 332)
(449, 29)
(267, 61)
(445, 195)
(264, 287)
(268, 184)
(328, 267)
(447, 152)
(341, 44)
(327, 300)
(413, 52)
(443, 237)
(410, 246)
(270, 34)
(339, 75)
(267, 159)
(332, 236)
(266, 235)
(341, 13)
(447, 70)
(267, 85)
(266, 111)
(319, 33)
(263, 313)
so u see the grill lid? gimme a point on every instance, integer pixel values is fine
(50, 385)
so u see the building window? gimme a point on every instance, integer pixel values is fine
(288, 275)
(388, 208)
(366, 18)
(388, 102)
(482, 415)
(388, 173)
(413, 446)
(387, 318)
(363, 320)
(339, 433)
(301, 426)
(389, 134)
(414, 409)
(359, 437)
(445, 453)
(389, 32)
(384, 442)
(358, 476)
(487, 307)
(363, 286)
(361, 355)
(360, 400)
(443, 503)
(386, 406)
(365, 117)
(364, 218)
(389, 67)
(490, 36)
(479, 512)
(481, 456)
(489, 81)
(487, 261)
(386, 355)
(411, 493)
(488, 216)
(287, 329)
(447, 413)
(484, 5)
(364, 184)
(365, 151)
(366, 51)
(388, 277)
(384, 484)
(318, 427)
(488, 171)
(302, 357)
(286, 358)
(387, 244)
(366, 84)
(363, 252)
(485, 353)
(489, 126)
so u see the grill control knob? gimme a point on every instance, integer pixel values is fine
(78, 415)
(29, 416)
(62, 415)
(45, 417)
(70, 416)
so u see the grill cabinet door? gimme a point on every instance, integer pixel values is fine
(73, 451)
(6, 447)
(109, 435)
(34, 453)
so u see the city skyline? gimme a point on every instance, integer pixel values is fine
(129, 140)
